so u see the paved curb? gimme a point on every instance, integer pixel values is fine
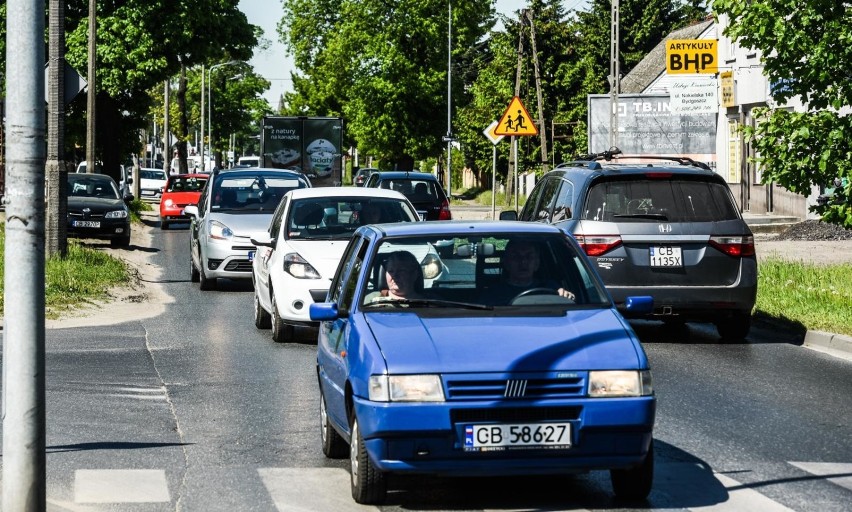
(828, 341)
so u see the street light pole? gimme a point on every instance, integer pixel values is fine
(210, 108)
(449, 99)
(202, 117)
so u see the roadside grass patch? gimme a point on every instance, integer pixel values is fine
(136, 206)
(815, 296)
(85, 275)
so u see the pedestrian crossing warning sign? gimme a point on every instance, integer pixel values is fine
(516, 121)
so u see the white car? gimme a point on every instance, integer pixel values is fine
(298, 256)
(151, 183)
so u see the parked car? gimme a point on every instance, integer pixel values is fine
(361, 176)
(181, 190)
(299, 253)
(467, 376)
(668, 228)
(96, 209)
(234, 207)
(151, 183)
(421, 188)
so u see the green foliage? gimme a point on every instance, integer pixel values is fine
(136, 206)
(806, 53)
(817, 297)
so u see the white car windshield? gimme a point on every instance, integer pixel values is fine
(325, 218)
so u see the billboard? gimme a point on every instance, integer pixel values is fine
(311, 145)
(647, 126)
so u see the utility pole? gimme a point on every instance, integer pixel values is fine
(92, 89)
(24, 473)
(57, 185)
(541, 124)
(614, 78)
(202, 119)
(511, 185)
(449, 137)
(167, 138)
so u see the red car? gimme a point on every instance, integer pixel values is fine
(180, 190)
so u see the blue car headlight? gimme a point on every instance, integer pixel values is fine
(406, 388)
(620, 383)
(220, 231)
(116, 214)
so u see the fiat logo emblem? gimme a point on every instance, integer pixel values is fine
(665, 228)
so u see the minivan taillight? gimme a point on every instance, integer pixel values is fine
(598, 244)
(736, 246)
(445, 214)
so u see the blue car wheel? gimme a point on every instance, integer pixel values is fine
(634, 483)
(369, 486)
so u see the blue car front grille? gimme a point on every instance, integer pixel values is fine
(515, 388)
(514, 414)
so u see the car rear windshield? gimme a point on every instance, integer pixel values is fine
(674, 199)
(417, 191)
(336, 218)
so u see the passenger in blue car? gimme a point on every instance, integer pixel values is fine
(521, 262)
(402, 279)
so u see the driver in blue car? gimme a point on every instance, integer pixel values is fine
(520, 263)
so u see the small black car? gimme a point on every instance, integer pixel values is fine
(421, 188)
(96, 210)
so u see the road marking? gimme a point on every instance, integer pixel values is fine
(844, 471)
(120, 486)
(740, 497)
(295, 489)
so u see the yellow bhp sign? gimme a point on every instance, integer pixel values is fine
(690, 56)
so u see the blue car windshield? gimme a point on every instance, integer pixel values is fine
(485, 272)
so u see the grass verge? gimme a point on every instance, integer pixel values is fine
(814, 296)
(82, 277)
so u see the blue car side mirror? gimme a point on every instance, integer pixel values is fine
(324, 311)
(641, 305)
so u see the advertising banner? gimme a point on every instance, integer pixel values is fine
(647, 126)
(311, 145)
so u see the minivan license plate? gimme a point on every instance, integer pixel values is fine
(517, 435)
(666, 256)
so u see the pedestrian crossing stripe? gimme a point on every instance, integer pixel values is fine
(516, 121)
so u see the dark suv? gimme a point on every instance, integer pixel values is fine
(421, 188)
(665, 227)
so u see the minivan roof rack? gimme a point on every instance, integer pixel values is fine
(611, 152)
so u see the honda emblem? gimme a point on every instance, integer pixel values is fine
(665, 228)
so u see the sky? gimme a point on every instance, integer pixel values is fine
(275, 65)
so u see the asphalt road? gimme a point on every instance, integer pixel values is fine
(196, 410)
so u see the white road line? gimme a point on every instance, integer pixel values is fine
(120, 486)
(296, 490)
(742, 498)
(829, 468)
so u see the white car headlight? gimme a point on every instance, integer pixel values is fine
(220, 231)
(117, 214)
(299, 268)
(406, 388)
(431, 266)
(616, 383)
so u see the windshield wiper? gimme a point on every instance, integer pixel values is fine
(652, 216)
(431, 303)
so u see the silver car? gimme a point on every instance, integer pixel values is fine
(235, 206)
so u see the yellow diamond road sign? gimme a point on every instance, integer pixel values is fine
(516, 121)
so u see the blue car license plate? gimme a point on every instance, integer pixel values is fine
(517, 435)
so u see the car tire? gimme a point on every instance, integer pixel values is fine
(369, 486)
(333, 445)
(194, 275)
(205, 283)
(262, 319)
(281, 332)
(634, 483)
(164, 224)
(120, 242)
(734, 327)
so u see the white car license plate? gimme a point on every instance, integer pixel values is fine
(517, 435)
(86, 224)
(148, 192)
(666, 256)
(251, 255)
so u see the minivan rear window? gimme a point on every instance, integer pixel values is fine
(675, 199)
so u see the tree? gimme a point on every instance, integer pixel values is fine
(382, 65)
(805, 53)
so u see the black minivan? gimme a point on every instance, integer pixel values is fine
(659, 226)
